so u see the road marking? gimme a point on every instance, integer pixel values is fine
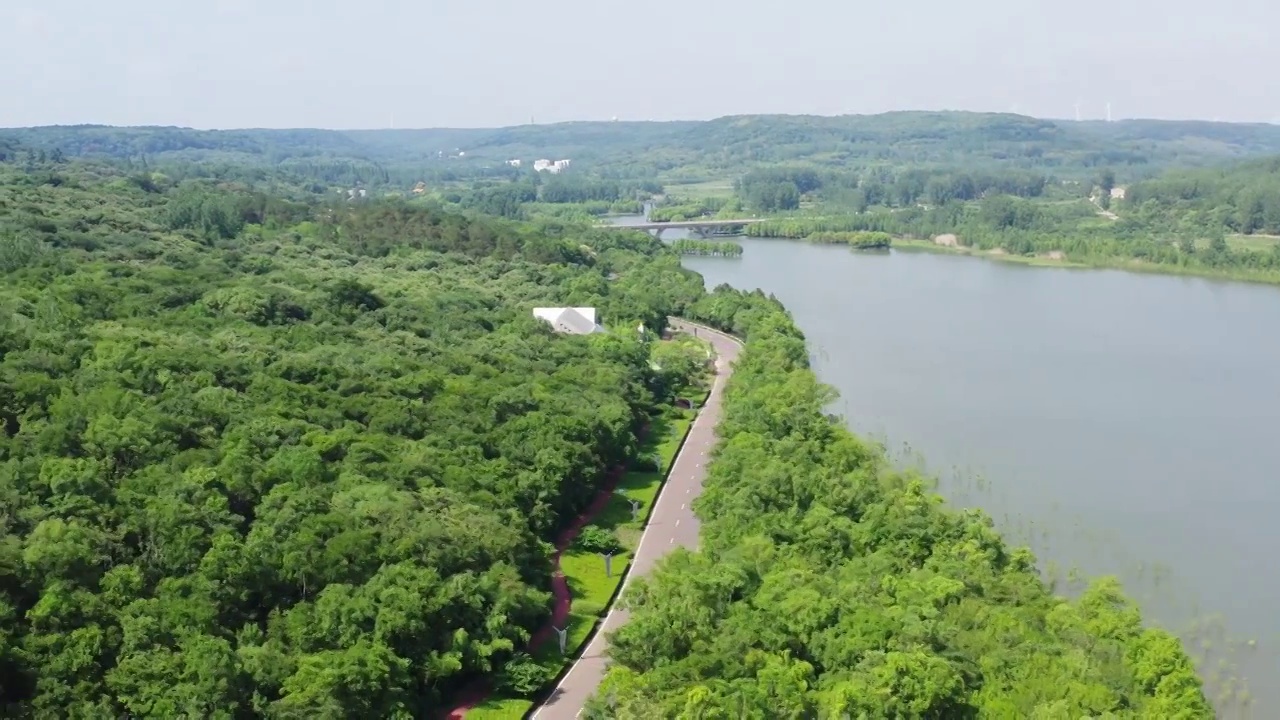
(671, 541)
(681, 506)
(677, 523)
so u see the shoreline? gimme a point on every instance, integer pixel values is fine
(1042, 261)
(1126, 265)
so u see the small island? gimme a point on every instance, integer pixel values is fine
(707, 248)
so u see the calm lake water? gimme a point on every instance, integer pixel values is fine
(1118, 423)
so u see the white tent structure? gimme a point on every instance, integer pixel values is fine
(574, 321)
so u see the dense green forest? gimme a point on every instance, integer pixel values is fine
(1207, 221)
(292, 459)
(830, 585)
(777, 188)
(561, 196)
(271, 451)
(1243, 198)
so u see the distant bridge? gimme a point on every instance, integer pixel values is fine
(702, 228)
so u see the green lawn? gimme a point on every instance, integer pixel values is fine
(500, 709)
(585, 572)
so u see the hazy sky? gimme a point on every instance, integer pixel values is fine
(355, 63)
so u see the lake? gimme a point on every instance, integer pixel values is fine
(1117, 423)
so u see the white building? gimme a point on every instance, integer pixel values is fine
(574, 321)
(545, 165)
(514, 163)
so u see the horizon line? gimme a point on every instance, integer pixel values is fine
(611, 121)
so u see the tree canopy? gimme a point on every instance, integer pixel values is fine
(1243, 198)
(271, 458)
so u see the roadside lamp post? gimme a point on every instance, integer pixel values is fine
(635, 504)
(608, 564)
(562, 634)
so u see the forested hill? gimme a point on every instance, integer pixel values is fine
(269, 455)
(687, 149)
(269, 458)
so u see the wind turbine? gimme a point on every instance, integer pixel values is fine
(1108, 112)
(1077, 111)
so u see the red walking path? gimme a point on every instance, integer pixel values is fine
(671, 524)
(476, 693)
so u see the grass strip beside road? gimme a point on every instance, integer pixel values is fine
(591, 590)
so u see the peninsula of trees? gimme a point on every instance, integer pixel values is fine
(831, 585)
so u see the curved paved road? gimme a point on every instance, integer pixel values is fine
(672, 524)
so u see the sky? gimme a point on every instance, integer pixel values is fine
(485, 63)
